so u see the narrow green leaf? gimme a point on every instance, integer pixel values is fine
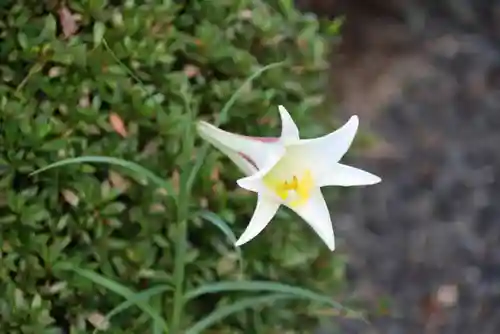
(132, 166)
(224, 311)
(119, 289)
(225, 110)
(224, 228)
(219, 223)
(138, 297)
(222, 116)
(127, 69)
(261, 286)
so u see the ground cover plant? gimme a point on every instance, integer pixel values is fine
(133, 232)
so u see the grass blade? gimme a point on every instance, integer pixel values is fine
(119, 289)
(238, 306)
(132, 166)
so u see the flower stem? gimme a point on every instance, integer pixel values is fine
(179, 271)
(183, 199)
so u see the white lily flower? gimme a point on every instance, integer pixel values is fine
(290, 171)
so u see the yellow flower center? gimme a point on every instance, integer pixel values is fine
(296, 190)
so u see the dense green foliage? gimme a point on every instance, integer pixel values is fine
(97, 77)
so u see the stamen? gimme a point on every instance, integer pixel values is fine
(300, 187)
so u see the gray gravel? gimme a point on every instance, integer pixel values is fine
(428, 236)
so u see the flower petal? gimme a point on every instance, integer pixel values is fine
(239, 160)
(321, 154)
(342, 175)
(254, 182)
(231, 144)
(316, 214)
(289, 130)
(265, 210)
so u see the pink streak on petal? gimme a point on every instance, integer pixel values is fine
(266, 139)
(247, 158)
(261, 139)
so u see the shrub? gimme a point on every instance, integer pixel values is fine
(124, 79)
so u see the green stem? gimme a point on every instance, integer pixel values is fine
(187, 179)
(183, 199)
(179, 272)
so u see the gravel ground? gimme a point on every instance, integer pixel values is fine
(428, 236)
